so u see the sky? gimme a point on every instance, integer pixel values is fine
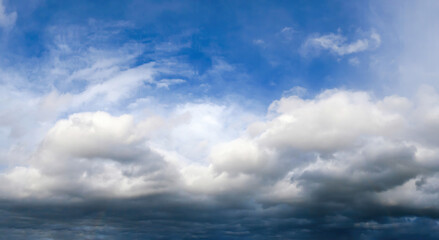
(219, 119)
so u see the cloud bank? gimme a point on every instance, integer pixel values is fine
(341, 162)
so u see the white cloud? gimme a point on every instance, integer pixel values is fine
(408, 59)
(118, 86)
(295, 91)
(91, 154)
(338, 45)
(288, 33)
(354, 61)
(259, 42)
(241, 156)
(327, 117)
(7, 20)
(339, 143)
(165, 83)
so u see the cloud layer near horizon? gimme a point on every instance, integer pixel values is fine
(342, 157)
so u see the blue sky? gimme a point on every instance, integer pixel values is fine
(219, 119)
(261, 41)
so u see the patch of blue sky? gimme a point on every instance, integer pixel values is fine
(219, 49)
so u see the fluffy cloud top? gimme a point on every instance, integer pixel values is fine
(326, 159)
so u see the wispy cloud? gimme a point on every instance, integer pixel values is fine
(288, 33)
(338, 44)
(7, 19)
(166, 83)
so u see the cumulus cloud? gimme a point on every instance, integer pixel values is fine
(339, 158)
(337, 44)
(90, 154)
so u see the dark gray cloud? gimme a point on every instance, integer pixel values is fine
(163, 217)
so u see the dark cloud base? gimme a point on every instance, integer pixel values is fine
(173, 217)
